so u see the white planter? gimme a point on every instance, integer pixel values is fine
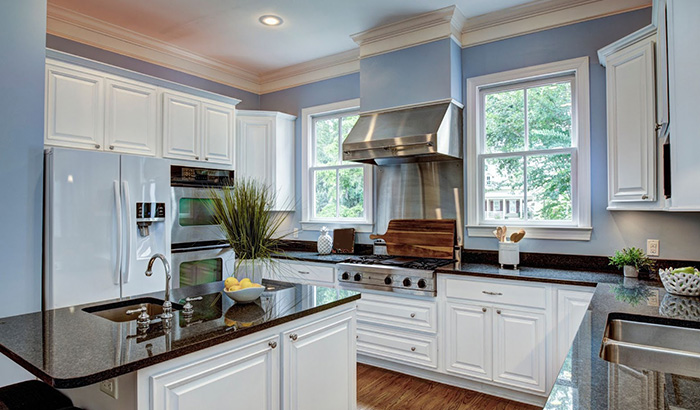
(630, 271)
(509, 254)
(252, 269)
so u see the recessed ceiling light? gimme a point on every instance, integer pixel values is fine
(270, 20)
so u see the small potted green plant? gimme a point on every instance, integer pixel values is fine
(631, 261)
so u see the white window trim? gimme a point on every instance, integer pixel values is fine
(580, 229)
(315, 224)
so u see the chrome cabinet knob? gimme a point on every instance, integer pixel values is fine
(111, 147)
(196, 157)
(413, 315)
(498, 311)
(413, 349)
(206, 158)
(97, 146)
(293, 336)
(272, 344)
(645, 196)
(483, 310)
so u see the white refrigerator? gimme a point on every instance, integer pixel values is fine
(93, 205)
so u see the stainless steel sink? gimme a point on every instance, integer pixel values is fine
(116, 312)
(663, 348)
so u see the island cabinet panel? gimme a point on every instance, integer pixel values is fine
(469, 340)
(320, 365)
(247, 376)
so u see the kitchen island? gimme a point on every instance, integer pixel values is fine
(294, 347)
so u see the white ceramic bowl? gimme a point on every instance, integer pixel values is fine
(246, 295)
(683, 284)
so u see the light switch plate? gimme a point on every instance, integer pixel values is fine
(652, 247)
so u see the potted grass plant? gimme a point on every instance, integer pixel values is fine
(244, 213)
(631, 261)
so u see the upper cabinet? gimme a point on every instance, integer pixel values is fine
(653, 138)
(265, 152)
(97, 110)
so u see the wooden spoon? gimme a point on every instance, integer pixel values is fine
(517, 236)
(499, 233)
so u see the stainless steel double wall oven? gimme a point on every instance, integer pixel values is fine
(200, 253)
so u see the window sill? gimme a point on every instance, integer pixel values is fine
(362, 227)
(573, 233)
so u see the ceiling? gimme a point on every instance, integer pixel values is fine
(228, 31)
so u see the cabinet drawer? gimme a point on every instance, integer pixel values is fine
(408, 314)
(402, 347)
(303, 272)
(498, 292)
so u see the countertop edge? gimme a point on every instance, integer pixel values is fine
(572, 282)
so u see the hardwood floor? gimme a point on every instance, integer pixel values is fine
(379, 389)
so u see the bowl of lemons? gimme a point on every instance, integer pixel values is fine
(244, 291)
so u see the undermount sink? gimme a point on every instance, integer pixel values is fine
(116, 311)
(652, 346)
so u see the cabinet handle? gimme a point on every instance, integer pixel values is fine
(658, 126)
(498, 311)
(645, 196)
(97, 146)
(111, 147)
(413, 349)
(293, 336)
(272, 344)
(483, 310)
(413, 315)
(206, 158)
(304, 272)
(196, 157)
(491, 293)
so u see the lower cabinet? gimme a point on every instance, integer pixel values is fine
(248, 376)
(469, 340)
(572, 305)
(307, 364)
(320, 365)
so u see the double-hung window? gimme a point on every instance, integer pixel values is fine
(528, 151)
(335, 192)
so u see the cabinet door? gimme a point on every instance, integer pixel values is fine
(244, 378)
(468, 340)
(74, 108)
(519, 357)
(631, 124)
(571, 308)
(181, 127)
(217, 133)
(254, 148)
(130, 120)
(320, 365)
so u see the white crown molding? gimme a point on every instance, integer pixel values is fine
(424, 28)
(75, 26)
(540, 15)
(336, 65)
(641, 34)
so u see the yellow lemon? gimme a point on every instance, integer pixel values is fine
(245, 280)
(235, 288)
(257, 285)
(246, 285)
(229, 322)
(231, 281)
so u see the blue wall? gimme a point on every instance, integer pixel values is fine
(292, 101)
(611, 230)
(249, 101)
(22, 47)
(412, 75)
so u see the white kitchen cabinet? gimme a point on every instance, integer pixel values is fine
(631, 121)
(572, 305)
(265, 151)
(181, 126)
(247, 376)
(519, 351)
(398, 312)
(131, 117)
(469, 340)
(320, 365)
(684, 88)
(217, 133)
(404, 347)
(74, 107)
(321, 274)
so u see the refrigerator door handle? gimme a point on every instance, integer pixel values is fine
(120, 238)
(129, 222)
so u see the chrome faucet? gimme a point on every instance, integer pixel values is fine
(167, 305)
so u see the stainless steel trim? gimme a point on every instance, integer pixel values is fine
(398, 146)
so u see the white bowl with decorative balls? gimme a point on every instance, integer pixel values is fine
(680, 281)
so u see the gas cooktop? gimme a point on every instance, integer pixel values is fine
(400, 261)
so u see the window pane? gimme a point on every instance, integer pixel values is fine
(549, 116)
(505, 121)
(327, 141)
(351, 192)
(503, 195)
(347, 124)
(325, 183)
(549, 187)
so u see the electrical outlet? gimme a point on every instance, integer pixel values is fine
(652, 247)
(109, 387)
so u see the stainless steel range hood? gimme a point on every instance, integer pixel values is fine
(417, 134)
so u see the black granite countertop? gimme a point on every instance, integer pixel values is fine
(586, 381)
(560, 276)
(69, 347)
(312, 256)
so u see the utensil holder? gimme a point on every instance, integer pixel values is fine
(509, 254)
